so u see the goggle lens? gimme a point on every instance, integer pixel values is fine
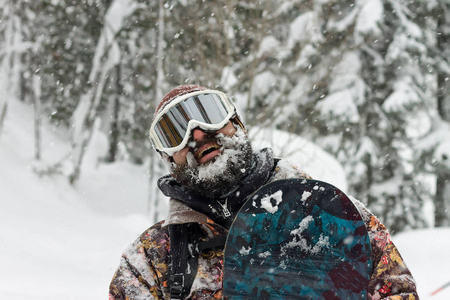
(171, 128)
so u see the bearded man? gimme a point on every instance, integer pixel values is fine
(213, 171)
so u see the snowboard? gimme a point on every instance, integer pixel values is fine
(297, 239)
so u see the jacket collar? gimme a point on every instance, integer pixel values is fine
(180, 213)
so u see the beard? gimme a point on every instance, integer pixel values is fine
(224, 173)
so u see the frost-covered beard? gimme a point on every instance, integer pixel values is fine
(221, 175)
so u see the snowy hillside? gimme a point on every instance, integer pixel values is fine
(63, 242)
(60, 242)
(310, 158)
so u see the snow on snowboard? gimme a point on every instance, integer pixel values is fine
(297, 239)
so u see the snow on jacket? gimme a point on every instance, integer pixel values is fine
(143, 269)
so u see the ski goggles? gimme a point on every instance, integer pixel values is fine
(207, 109)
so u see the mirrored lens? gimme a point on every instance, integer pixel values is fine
(206, 108)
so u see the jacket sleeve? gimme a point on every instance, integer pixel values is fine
(391, 278)
(135, 278)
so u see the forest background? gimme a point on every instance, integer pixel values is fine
(368, 81)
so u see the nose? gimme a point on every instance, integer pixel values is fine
(198, 134)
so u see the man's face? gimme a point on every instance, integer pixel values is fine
(205, 148)
(213, 163)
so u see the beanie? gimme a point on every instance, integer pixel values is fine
(175, 93)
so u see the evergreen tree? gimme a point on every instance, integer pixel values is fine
(137, 42)
(432, 146)
(367, 80)
(353, 76)
(398, 93)
(442, 153)
(65, 33)
(13, 27)
(106, 57)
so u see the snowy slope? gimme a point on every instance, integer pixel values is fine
(310, 158)
(60, 242)
(63, 242)
(427, 254)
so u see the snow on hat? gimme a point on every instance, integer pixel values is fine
(175, 93)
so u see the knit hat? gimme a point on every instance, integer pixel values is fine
(175, 93)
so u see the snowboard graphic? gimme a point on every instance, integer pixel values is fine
(297, 239)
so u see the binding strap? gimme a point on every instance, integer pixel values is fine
(184, 261)
(184, 251)
(217, 242)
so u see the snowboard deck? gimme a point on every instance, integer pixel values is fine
(297, 239)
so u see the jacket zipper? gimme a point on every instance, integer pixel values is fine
(225, 212)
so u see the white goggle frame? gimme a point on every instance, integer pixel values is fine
(192, 124)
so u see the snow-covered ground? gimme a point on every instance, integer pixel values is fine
(427, 255)
(59, 241)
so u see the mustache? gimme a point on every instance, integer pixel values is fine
(207, 139)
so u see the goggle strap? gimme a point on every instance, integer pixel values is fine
(237, 120)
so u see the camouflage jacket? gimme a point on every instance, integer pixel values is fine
(143, 269)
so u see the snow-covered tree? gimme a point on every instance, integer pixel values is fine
(367, 80)
(105, 59)
(442, 152)
(432, 146)
(351, 76)
(398, 92)
(12, 46)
